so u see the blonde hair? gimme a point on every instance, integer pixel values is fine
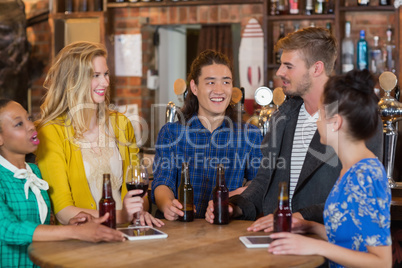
(315, 44)
(69, 88)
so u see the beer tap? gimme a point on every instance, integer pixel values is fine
(278, 97)
(264, 96)
(179, 88)
(391, 112)
(237, 101)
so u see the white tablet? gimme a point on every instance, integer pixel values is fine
(256, 241)
(142, 232)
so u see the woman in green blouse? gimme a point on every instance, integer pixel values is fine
(24, 202)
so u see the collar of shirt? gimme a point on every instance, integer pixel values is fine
(195, 124)
(31, 182)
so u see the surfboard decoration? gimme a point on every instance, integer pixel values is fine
(251, 62)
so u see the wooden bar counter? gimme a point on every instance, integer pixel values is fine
(194, 244)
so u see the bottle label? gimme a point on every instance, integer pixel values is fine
(347, 67)
(294, 7)
(362, 66)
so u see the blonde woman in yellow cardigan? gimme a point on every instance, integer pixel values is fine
(81, 138)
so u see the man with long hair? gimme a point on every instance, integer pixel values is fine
(208, 133)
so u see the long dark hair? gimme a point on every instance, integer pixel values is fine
(205, 58)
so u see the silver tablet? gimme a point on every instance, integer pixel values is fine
(142, 232)
(256, 241)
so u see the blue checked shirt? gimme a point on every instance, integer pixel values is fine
(19, 218)
(238, 149)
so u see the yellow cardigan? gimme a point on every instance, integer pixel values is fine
(60, 161)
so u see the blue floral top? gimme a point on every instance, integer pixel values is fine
(357, 210)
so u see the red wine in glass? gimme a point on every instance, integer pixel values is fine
(137, 178)
(137, 186)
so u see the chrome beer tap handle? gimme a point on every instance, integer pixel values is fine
(390, 111)
(263, 96)
(171, 111)
(180, 88)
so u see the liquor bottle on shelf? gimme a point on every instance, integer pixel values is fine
(362, 52)
(363, 2)
(376, 58)
(186, 194)
(330, 7)
(83, 6)
(98, 5)
(283, 7)
(296, 27)
(281, 35)
(389, 52)
(319, 7)
(385, 2)
(274, 7)
(347, 50)
(107, 203)
(283, 214)
(294, 7)
(309, 7)
(328, 26)
(69, 8)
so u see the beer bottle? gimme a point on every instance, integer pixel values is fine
(186, 194)
(107, 204)
(283, 215)
(221, 198)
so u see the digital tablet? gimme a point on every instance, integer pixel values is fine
(142, 232)
(256, 241)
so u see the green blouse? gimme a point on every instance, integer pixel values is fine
(19, 218)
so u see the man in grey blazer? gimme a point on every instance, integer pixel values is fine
(308, 58)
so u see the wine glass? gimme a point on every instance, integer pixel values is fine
(137, 179)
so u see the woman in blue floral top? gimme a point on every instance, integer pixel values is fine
(357, 211)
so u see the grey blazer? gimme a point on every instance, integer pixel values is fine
(320, 170)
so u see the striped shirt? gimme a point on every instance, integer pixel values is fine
(237, 148)
(305, 129)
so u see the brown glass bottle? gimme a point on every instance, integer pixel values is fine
(283, 214)
(186, 194)
(283, 7)
(221, 198)
(278, 54)
(98, 5)
(107, 204)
